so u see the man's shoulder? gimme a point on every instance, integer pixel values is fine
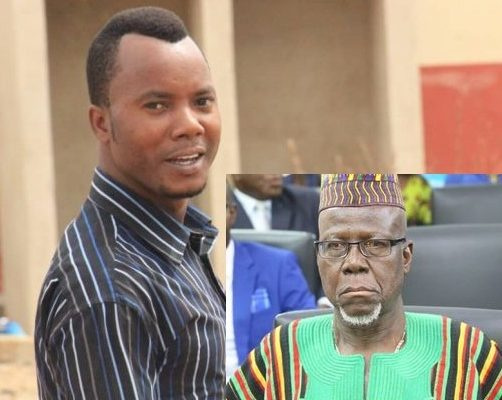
(82, 269)
(462, 331)
(255, 249)
(88, 242)
(303, 203)
(455, 330)
(451, 325)
(310, 335)
(304, 193)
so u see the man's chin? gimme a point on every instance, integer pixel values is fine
(185, 193)
(361, 319)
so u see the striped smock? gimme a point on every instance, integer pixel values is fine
(441, 359)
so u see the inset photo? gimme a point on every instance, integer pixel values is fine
(336, 281)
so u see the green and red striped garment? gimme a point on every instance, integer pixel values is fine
(441, 359)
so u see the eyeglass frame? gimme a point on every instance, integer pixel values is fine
(393, 242)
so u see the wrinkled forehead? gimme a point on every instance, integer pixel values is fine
(350, 223)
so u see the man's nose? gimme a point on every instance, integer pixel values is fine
(186, 123)
(355, 262)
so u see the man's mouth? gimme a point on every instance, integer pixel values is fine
(186, 160)
(358, 290)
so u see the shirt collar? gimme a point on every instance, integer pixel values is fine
(153, 224)
(249, 202)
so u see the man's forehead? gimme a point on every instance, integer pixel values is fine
(137, 48)
(369, 218)
(147, 67)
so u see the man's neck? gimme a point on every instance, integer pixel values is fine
(175, 207)
(382, 336)
(177, 210)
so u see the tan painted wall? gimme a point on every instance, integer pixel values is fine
(307, 69)
(304, 71)
(453, 32)
(27, 201)
(397, 85)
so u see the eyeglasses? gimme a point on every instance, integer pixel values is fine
(335, 249)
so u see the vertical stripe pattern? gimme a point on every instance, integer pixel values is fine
(272, 371)
(130, 307)
(469, 366)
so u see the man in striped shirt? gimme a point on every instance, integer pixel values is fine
(369, 348)
(131, 308)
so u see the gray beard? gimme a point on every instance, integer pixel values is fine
(361, 320)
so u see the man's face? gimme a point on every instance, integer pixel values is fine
(259, 186)
(163, 119)
(359, 285)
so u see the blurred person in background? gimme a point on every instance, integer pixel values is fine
(312, 180)
(262, 281)
(264, 202)
(417, 195)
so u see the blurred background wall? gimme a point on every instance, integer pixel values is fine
(303, 87)
(459, 58)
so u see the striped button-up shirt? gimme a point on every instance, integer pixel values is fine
(130, 307)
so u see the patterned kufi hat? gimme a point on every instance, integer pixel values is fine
(359, 190)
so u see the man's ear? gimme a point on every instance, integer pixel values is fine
(232, 215)
(407, 256)
(99, 117)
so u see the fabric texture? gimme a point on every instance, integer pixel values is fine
(130, 307)
(441, 359)
(359, 190)
(266, 281)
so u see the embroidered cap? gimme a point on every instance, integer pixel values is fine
(359, 190)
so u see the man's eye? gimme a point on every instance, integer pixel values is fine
(155, 106)
(334, 245)
(376, 244)
(204, 101)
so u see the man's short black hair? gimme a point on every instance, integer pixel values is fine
(155, 22)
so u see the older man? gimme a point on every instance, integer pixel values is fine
(131, 308)
(370, 348)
